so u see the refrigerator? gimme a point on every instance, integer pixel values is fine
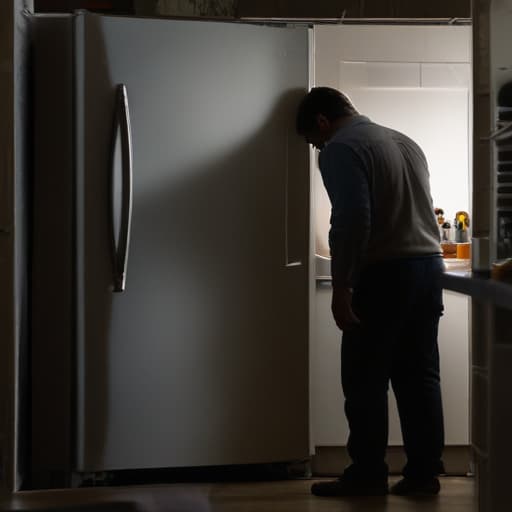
(171, 244)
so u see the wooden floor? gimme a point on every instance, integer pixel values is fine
(457, 495)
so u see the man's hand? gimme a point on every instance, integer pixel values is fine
(342, 308)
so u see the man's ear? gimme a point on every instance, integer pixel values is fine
(322, 122)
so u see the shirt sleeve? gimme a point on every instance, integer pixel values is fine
(347, 185)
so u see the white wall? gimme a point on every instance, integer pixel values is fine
(416, 80)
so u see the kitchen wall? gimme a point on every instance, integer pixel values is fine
(207, 8)
(413, 88)
(200, 7)
(307, 8)
(354, 8)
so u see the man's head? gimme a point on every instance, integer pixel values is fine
(320, 114)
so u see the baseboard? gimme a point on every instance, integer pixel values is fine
(330, 460)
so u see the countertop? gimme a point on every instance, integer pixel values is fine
(479, 285)
(459, 278)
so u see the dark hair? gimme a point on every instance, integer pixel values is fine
(329, 102)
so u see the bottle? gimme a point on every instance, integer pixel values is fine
(461, 225)
(445, 232)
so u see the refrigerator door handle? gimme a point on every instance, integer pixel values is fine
(291, 260)
(121, 195)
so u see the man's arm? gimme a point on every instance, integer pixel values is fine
(347, 185)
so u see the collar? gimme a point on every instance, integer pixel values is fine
(349, 125)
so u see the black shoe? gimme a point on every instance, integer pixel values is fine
(350, 487)
(414, 487)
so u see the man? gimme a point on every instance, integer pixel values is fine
(387, 298)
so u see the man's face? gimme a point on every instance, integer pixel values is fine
(320, 134)
(315, 139)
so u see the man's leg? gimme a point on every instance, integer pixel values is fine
(365, 385)
(415, 378)
(365, 367)
(418, 396)
(365, 377)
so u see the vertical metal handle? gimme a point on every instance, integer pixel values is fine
(121, 234)
(289, 261)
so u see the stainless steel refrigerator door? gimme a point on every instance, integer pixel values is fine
(203, 358)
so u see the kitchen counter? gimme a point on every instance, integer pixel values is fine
(479, 286)
(457, 278)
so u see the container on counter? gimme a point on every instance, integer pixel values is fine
(461, 227)
(464, 251)
(449, 249)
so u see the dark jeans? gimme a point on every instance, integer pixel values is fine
(399, 304)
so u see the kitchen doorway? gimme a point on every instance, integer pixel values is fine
(416, 79)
